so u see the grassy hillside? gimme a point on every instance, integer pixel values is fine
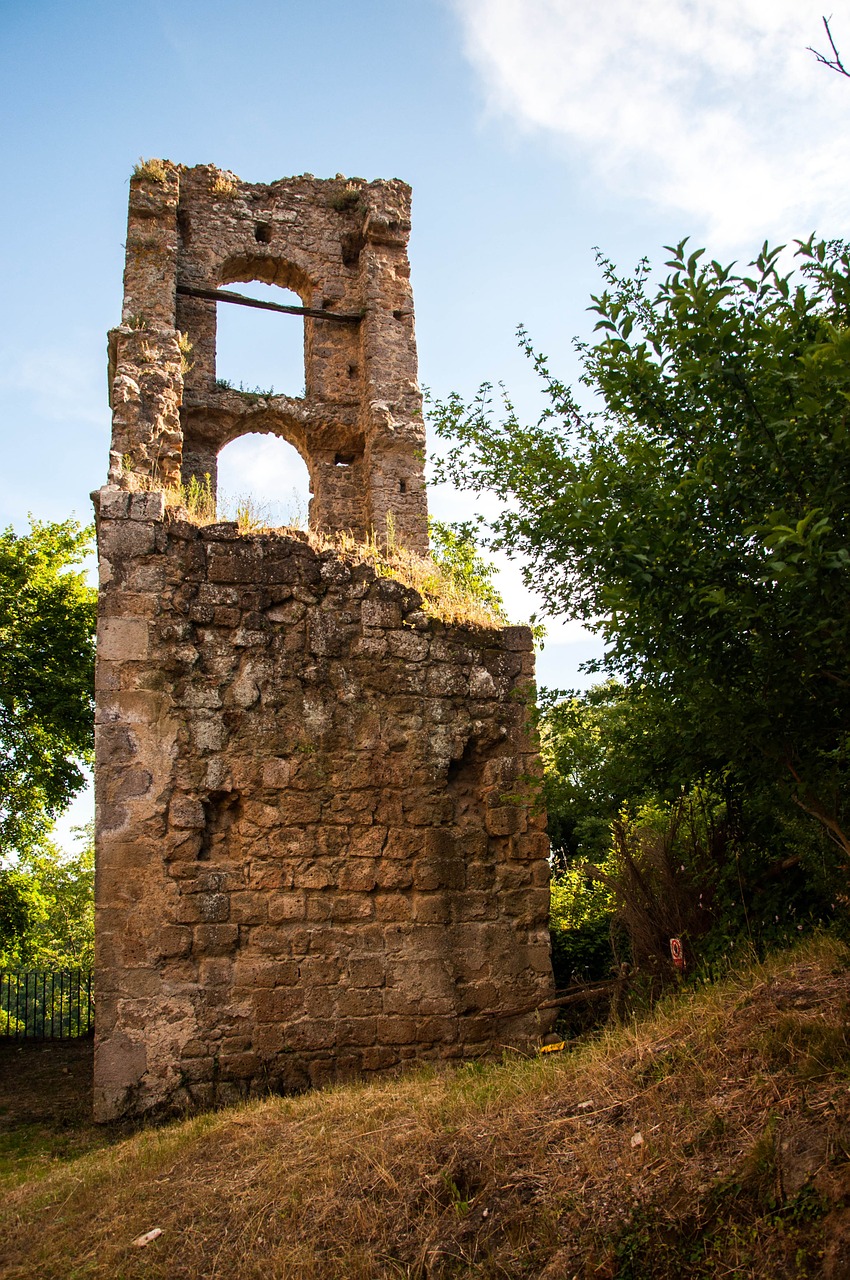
(712, 1140)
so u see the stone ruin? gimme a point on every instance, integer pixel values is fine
(318, 853)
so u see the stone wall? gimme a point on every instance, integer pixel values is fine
(317, 847)
(315, 851)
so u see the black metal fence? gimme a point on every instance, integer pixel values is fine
(38, 1004)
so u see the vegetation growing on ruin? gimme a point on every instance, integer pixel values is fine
(224, 183)
(348, 200)
(154, 170)
(455, 581)
(184, 346)
(708, 1139)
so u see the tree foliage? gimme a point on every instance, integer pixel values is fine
(710, 857)
(699, 518)
(455, 550)
(47, 623)
(47, 908)
(611, 746)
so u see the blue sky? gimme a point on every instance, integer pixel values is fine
(530, 130)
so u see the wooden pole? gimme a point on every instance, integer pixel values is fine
(589, 992)
(225, 295)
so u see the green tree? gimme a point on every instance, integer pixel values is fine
(610, 746)
(455, 550)
(53, 894)
(17, 912)
(680, 849)
(47, 624)
(699, 519)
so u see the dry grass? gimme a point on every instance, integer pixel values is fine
(659, 1149)
(152, 169)
(442, 595)
(185, 347)
(224, 183)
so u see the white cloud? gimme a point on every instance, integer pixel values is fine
(709, 108)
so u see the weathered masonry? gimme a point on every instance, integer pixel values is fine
(316, 851)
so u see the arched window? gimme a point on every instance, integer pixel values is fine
(259, 350)
(264, 478)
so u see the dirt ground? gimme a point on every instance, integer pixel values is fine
(45, 1082)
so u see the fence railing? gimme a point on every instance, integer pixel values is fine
(39, 1004)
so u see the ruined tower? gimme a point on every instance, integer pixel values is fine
(317, 850)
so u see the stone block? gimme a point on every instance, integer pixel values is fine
(366, 971)
(311, 1035)
(396, 1031)
(357, 1031)
(392, 906)
(238, 1066)
(249, 907)
(360, 1002)
(401, 843)
(431, 908)
(321, 1002)
(186, 812)
(277, 773)
(355, 906)
(408, 645)
(482, 684)
(532, 846)
(253, 973)
(129, 539)
(358, 874)
(202, 908)
(517, 639)
(214, 939)
(225, 567)
(501, 771)
(437, 1030)
(113, 503)
(297, 809)
(381, 613)
(286, 906)
(474, 905)
(122, 639)
(320, 970)
(393, 875)
(506, 820)
(195, 1049)
(315, 875)
(174, 941)
(147, 506)
(278, 1004)
(378, 1058)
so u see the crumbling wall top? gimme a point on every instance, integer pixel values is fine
(341, 245)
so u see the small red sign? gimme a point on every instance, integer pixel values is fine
(677, 952)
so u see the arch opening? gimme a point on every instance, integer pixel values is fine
(261, 351)
(263, 480)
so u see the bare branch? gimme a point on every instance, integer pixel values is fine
(834, 63)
